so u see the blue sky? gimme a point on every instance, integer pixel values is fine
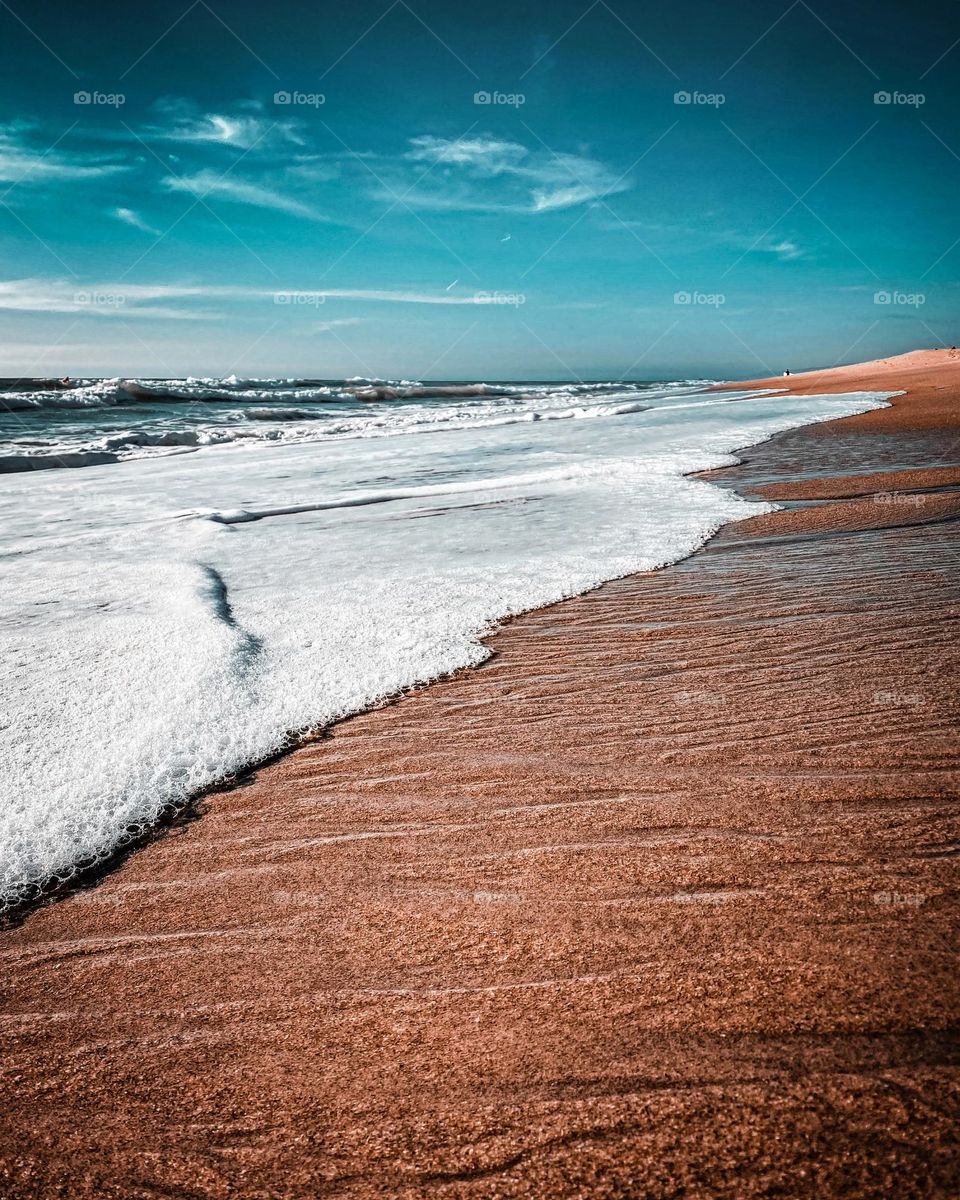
(539, 190)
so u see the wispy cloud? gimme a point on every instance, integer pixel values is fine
(401, 297)
(182, 121)
(688, 238)
(486, 174)
(784, 250)
(315, 168)
(778, 246)
(139, 300)
(101, 299)
(21, 162)
(545, 200)
(241, 191)
(488, 155)
(340, 323)
(129, 217)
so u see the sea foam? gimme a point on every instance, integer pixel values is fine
(168, 621)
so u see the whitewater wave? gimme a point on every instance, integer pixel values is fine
(144, 443)
(167, 625)
(25, 395)
(143, 419)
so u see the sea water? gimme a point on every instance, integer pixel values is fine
(254, 559)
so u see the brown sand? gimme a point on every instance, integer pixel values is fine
(660, 902)
(930, 377)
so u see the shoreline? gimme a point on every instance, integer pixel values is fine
(188, 809)
(602, 904)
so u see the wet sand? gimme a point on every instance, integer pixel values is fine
(659, 902)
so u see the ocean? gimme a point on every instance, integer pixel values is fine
(195, 572)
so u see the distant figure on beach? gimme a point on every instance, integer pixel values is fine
(786, 372)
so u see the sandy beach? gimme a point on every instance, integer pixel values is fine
(660, 901)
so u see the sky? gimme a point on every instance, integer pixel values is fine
(522, 189)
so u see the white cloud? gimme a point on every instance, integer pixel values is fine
(101, 299)
(487, 155)
(211, 183)
(545, 200)
(244, 132)
(340, 323)
(486, 174)
(785, 250)
(315, 168)
(398, 297)
(183, 122)
(681, 238)
(129, 217)
(20, 163)
(141, 300)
